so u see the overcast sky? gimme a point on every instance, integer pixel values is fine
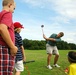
(55, 15)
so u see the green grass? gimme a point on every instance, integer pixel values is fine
(39, 66)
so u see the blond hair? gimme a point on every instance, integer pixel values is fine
(6, 2)
(15, 29)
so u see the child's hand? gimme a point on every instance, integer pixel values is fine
(24, 59)
(66, 70)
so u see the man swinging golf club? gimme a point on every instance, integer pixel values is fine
(52, 48)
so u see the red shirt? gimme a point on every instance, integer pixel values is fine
(6, 18)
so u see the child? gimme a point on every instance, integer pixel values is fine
(20, 56)
(72, 59)
(7, 48)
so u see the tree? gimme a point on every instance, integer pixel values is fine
(41, 45)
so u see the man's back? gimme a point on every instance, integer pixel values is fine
(53, 43)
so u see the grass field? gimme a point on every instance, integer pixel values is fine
(39, 66)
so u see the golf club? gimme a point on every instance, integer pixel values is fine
(28, 61)
(42, 28)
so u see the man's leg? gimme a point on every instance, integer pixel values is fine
(56, 59)
(49, 52)
(49, 59)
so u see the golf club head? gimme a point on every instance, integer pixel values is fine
(42, 26)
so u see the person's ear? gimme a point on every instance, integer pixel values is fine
(9, 5)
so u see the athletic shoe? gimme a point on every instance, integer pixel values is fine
(49, 67)
(56, 65)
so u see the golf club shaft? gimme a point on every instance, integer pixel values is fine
(29, 61)
(42, 31)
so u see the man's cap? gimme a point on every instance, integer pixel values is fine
(18, 25)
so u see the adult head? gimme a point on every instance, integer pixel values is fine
(61, 34)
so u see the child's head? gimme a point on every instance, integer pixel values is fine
(72, 57)
(17, 27)
(9, 5)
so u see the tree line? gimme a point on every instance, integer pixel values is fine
(41, 45)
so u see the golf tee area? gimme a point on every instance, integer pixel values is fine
(38, 67)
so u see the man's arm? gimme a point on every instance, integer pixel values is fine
(57, 40)
(6, 37)
(48, 39)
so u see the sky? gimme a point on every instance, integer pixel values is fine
(56, 16)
